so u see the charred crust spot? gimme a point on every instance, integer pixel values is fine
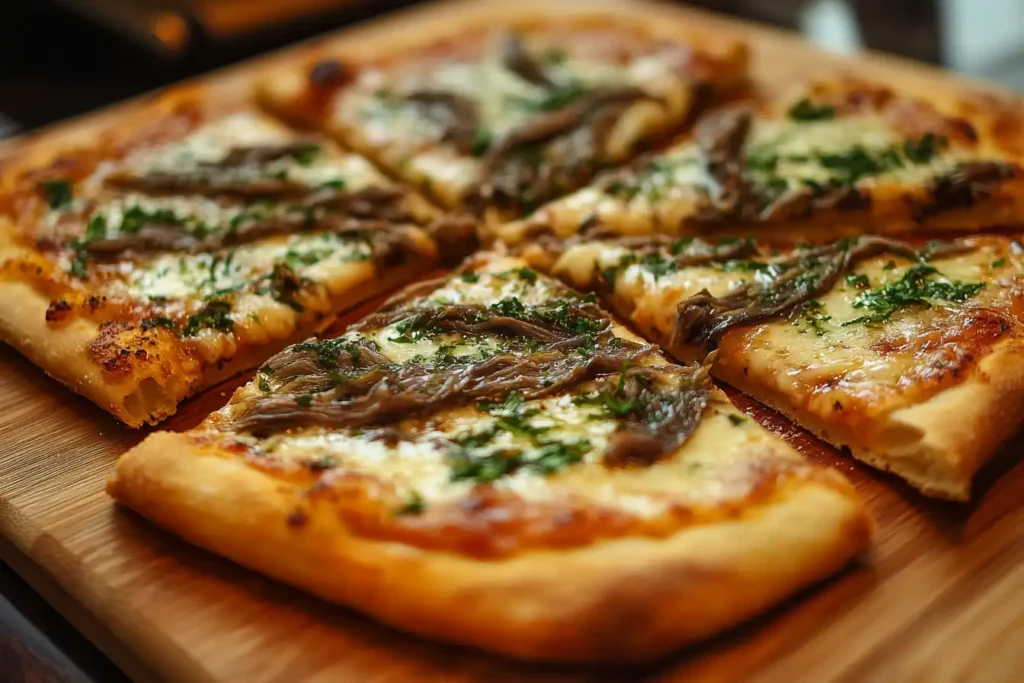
(113, 346)
(94, 302)
(297, 519)
(57, 311)
(141, 354)
(964, 128)
(329, 73)
(837, 407)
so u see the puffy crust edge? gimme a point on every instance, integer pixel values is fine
(938, 445)
(62, 351)
(622, 600)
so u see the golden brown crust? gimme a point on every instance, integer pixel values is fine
(629, 599)
(938, 444)
(309, 93)
(984, 128)
(147, 387)
(948, 399)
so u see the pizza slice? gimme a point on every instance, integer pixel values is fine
(910, 355)
(491, 460)
(841, 158)
(504, 114)
(145, 267)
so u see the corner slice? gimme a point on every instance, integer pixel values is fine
(838, 158)
(912, 356)
(502, 113)
(163, 258)
(490, 460)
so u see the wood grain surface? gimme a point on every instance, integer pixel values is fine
(941, 598)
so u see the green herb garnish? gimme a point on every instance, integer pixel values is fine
(414, 505)
(58, 193)
(805, 110)
(915, 288)
(482, 140)
(215, 315)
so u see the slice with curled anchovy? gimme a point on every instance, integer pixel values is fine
(548, 125)
(704, 318)
(348, 383)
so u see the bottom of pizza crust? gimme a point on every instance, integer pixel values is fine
(492, 461)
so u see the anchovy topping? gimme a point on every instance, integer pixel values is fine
(781, 286)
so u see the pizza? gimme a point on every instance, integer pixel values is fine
(911, 355)
(839, 158)
(187, 244)
(489, 459)
(503, 116)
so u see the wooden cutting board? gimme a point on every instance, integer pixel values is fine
(940, 598)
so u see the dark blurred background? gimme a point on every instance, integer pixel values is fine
(63, 57)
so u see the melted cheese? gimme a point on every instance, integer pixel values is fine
(662, 195)
(212, 141)
(720, 462)
(317, 256)
(406, 137)
(824, 357)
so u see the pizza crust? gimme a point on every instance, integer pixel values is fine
(137, 398)
(620, 600)
(937, 445)
(719, 65)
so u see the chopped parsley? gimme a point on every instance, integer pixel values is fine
(335, 184)
(999, 263)
(263, 384)
(305, 155)
(482, 141)
(860, 281)
(304, 400)
(527, 274)
(737, 420)
(414, 505)
(916, 288)
(58, 193)
(805, 110)
(544, 456)
(653, 181)
(470, 277)
(924, 150)
(813, 314)
(134, 217)
(215, 315)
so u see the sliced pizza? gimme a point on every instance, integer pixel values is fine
(505, 115)
(491, 460)
(841, 158)
(145, 267)
(910, 355)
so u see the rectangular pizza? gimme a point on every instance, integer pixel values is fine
(504, 113)
(491, 460)
(144, 263)
(910, 355)
(841, 157)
